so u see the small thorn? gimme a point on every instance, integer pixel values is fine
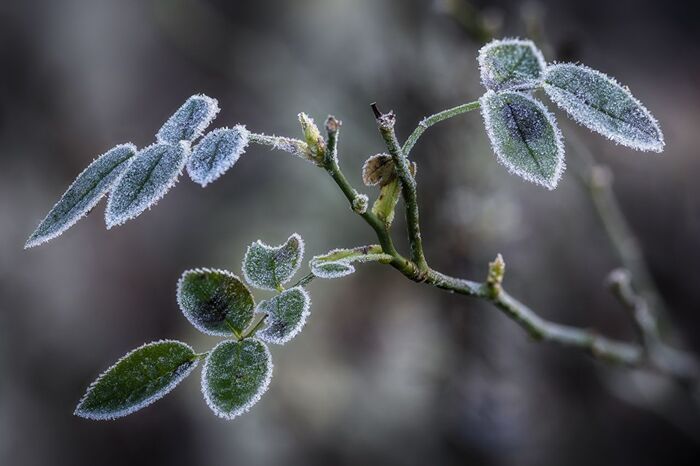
(375, 109)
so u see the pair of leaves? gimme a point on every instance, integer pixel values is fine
(235, 375)
(523, 133)
(138, 180)
(338, 262)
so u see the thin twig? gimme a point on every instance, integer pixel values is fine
(427, 122)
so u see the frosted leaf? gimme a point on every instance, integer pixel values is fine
(269, 267)
(216, 153)
(152, 173)
(511, 64)
(84, 194)
(235, 375)
(378, 170)
(338, 262)
(190, 120)
(602, 105)
(286, 315)
(524, 136)
(140, 378)
(215, 301)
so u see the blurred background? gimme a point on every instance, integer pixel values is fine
(386, 371)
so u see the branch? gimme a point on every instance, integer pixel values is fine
(386, 124)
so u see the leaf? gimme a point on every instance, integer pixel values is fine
(216, 153)
(235, 376)
(190, 120)
(337, 263)
(599, 103)
(385, 204)
(270, 267)
(140, 378)
(524, 136)
(511, 64)
(152, 173)
(286, 315)
(215, 301)
(378, 170)
(84, 194)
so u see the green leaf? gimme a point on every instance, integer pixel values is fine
(84, 194)
(151, 175)
(269, 267)
(599, 103)
(385, 205)
(511, 64)
(235, 375)
(337, 263)
(286, 315)
(216, 302)
(137, 380)
(524, 136)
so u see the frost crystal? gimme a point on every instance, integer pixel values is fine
(235, 376)
(152, 173)
(270, 267)
(524, 136)
(338, 262)
(216, 153)
(140, 378)
(286, 315)
(85, 192)
(510, 64)
(599, 103)
(215, 301)
(190, 120)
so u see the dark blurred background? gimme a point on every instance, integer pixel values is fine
(386, 371)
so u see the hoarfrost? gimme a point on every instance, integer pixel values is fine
(152, 173)
(138, 379)
(190, 120)
(216, 153)
(269, 267)
(286, 315)
(214, 301)
(84, 193)
(235, 376)
(524, 136)
(510, 64)
(601, 104)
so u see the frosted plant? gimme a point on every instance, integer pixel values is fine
(216, 153)
(237, 371)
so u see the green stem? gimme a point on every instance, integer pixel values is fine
(386, 124)
(253, 329)
(427, 122)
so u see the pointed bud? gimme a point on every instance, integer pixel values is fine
(317, 146)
